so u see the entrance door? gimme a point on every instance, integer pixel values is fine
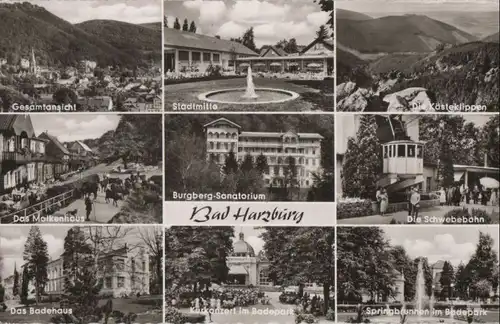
(170, 62)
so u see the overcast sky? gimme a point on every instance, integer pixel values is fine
(411, 6)
(13, 238)
(448, 243)
(72, 127)
(76, 11)
(272, 20)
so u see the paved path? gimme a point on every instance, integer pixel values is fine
(434, 216)
(102, 212)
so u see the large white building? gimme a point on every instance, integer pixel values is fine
(123, 272)
(249, 268)
(224, 136)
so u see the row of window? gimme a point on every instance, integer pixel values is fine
(234, 136)
(231, 146)
(23, 142)
(196, 56)
(221, 158)
(403, 150)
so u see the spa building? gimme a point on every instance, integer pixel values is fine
(224, 136)
(191, 52)
(249, 268)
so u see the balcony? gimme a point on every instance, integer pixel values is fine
(22, 157)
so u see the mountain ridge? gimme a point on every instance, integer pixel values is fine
(55, 41)
(403, 33)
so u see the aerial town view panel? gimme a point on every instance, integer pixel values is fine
(80, 168)
(67, 56)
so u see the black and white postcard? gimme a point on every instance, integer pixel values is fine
(417, 169)
(237, 55)
(417, 275)
(88, 274)
(66, 56)
(75, 168)
(249, 275)
(419, 56)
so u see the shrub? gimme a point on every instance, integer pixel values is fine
(458, 215)
(359, 208)
(330, 315)
(193, 318)
(173, 316)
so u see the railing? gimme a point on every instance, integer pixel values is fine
(34, 210)
(20, 157)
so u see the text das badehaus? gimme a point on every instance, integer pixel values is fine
(245, 214)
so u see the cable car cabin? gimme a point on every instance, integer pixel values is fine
(403, 157)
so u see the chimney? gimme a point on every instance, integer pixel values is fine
(485, 160)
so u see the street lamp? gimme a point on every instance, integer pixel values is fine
(451, 290)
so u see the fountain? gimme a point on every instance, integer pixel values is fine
(249, 95)
(250, 91)
(419, 290)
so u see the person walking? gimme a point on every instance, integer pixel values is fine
(442, 196)
(384, 202)
(88, 207)
(415, 202)
(377, 197)
(408, 199)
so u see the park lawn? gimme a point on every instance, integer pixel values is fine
(315, 95)
(119, 304)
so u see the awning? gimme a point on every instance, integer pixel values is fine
(275, 64)
(237, 270)
(244, 64)
(457, 176)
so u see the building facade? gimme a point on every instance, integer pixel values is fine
(123, 272)
(191, 52)
(248, 268)
(316, 58)
(22, 154)
(224, 136)
(56, 151)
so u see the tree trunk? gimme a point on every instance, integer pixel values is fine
(326, 297)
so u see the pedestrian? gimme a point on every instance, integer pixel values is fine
(88, 207)
(415, 202)
(384, 202)
(377, 197)
(442, 197)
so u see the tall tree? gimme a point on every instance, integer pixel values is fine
(185, 25)
(462, 282)
(301, 255)
(327, 6)
(490, 141)
(291, 183)
(177, 24)
(291, 46)
(192, 27)
(446, 280)
(482, 264)
(230, 165)
(364, 263)
(25, 286)
(152, 239)
(247, 164)
(261, 164)
(404, 264)
(322, 33)
(446, 172)
(15, 288)
(36, 258)
(362, 163)
(248, 39)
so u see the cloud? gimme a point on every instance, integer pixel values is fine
(254, 11)
(12, 250)
(133, 12)
(317, 19)
(442, 247)
(69, 128)
(231, 29)
(256, 242)
(209, 11)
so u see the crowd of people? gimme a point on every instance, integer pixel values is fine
(477, 195)
(451, 196)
